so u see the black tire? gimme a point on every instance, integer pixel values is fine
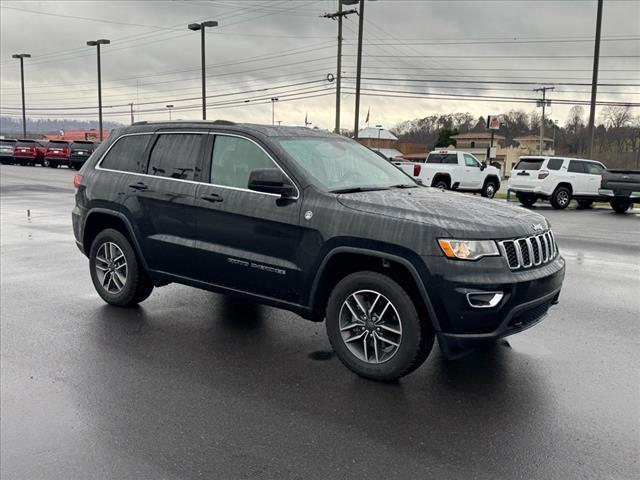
(585, 203)
(137, 286)
(527, 200)
(561, 198)
(442, 184)
(620, 205)
(417, 336)
(489, 189)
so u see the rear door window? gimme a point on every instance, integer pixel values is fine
(177, 155)
(442, 158)
(555, 163)
(127, 154)
(529, 164)
(576, 166)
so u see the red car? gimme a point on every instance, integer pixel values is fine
(29, 152)
(57, 153)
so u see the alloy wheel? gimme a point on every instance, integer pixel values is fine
(111, 267)
(563, 198)
(370, 326)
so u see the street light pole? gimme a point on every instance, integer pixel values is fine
(273, 109)
(358, 69)
(97, 43)
(195, 27)
(169, 107)
(21, 57)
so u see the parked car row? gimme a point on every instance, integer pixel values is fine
(560, 180)
(52, 153)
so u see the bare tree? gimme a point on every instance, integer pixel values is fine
(616, 116)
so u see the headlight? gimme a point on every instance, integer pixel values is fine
(468, 249)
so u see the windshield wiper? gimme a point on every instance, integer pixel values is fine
(357, 189)
(403, 185)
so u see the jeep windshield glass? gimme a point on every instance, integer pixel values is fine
(342, 165)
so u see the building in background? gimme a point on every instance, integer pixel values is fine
(75, 135)
(387, 143)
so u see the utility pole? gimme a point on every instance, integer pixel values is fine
(542, 103)
(131, 106)
(21, 57)
(594, 81)
(340, 14)
(273, 109)
(195, 27)
(358, 69)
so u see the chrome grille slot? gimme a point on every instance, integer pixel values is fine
(530, 251)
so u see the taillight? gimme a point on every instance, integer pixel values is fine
(543, 174)
(416, 169)
(65, 151)
(77, 180)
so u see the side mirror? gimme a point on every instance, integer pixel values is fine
(483, 165)
(271, 180)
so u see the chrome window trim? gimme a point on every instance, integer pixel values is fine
(101, 168)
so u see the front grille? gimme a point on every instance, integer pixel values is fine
(530, 315)
(529, 251)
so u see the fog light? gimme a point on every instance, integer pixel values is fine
(484, 299)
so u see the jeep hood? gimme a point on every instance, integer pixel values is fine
(462, 216)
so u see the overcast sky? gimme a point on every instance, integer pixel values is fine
(287, 48)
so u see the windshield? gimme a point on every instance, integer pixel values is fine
(342, 164)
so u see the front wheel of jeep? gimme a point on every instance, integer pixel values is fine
(374, 327)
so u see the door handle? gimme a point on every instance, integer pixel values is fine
(213, 198)
(139, 186)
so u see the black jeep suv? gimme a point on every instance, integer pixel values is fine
(317, 224)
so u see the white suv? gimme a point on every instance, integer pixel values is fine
(557, 179)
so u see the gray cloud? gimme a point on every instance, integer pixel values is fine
(262, 44)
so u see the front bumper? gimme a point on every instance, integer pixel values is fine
(619, 193)
(526, 298)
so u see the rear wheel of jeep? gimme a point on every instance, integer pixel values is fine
(374, 327)
(115, 270)
(560, 198)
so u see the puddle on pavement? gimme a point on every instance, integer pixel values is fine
(321, 355)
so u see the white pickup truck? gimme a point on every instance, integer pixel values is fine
(455, 170)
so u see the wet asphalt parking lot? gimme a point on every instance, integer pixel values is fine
(194, 385)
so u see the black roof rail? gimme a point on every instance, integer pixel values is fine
(141, 122)
(223, 122)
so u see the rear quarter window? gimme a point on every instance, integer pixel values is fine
(555, 163)
(127, 154)
(529, 164)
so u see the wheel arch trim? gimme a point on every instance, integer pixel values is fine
(120, 216)
(433, 318)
